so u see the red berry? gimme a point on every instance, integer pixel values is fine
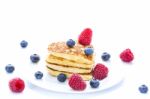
(127, 55)
(76, 82)
(100, 72)
(85, 37)
(16, 85)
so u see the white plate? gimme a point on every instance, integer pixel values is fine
(50, 83)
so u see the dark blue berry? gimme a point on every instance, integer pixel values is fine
(143, 89)
(23, 44)
(94, 83)
(9, 68)
(88, 51)
(61, 77)
(38, 75)
(35, 58)
(105, 56)
(70, 43)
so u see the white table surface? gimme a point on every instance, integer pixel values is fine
(116, 25)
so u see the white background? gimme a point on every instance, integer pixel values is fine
(116, 25)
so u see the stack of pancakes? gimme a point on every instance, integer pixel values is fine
(62, 59)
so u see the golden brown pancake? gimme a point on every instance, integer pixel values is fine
(68, 69)
(76, 54)
(61, 61)
(55, 73)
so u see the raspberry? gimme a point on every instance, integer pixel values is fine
(76, 82)
(127, 55)
(100, 72)
(16, 85)
(85, 37)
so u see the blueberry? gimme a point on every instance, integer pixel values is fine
(143, 89)
(35, 58)
(38, 75)
(23, 44)
(61, 77)
(9, 68)
(105, 56)
(70, 43)
(94, 83)
(88, 51)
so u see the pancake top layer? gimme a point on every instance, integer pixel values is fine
(77, 50)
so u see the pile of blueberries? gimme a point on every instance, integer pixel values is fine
(35, 58)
